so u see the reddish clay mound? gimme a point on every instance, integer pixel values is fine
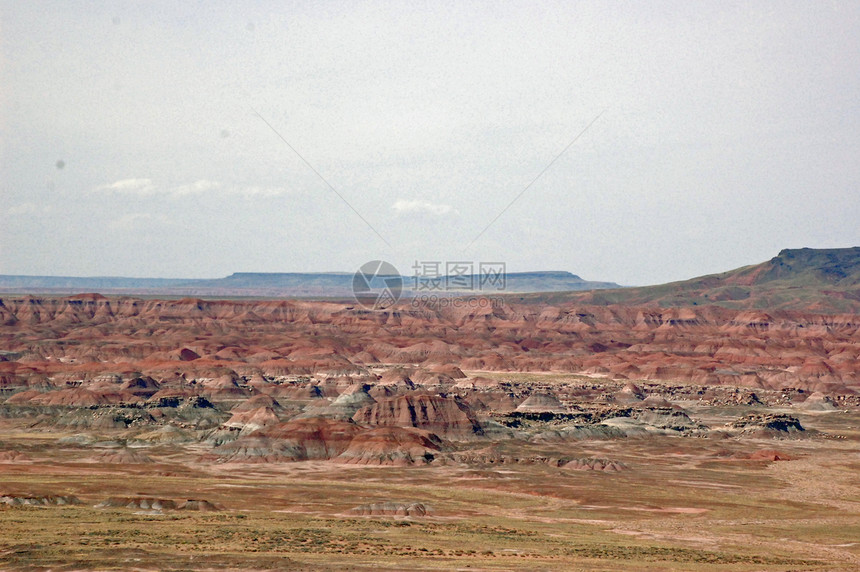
(123, 457)
(428, 379)
(80, 397)
(396, 377)
(252, 420)
(79, 340)
(257, 401)
(141, 386)
(449, 370)
(629, 394)
(540, 402)
(392, 446)
(23, 397)
(446, 416)
(297, 440)
(225, 387)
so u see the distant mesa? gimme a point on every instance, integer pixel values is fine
(816, 280)
(280, 284)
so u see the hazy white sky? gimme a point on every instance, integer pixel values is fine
(131, 146)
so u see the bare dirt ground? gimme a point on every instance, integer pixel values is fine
(683, 501)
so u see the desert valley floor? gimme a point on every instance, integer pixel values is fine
(191, 434)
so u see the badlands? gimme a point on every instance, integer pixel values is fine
(139, 433)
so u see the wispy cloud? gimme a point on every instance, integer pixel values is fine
(130, 186)
(262, 192)
(200, 187)
(419, 206)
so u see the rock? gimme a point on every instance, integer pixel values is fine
(591, 464)
(392, 446)
(585, 432)
(767, 423)
(540, 402)
(141, 386)
(297, 440)
(38, 500)
(818, 402)
(345, 406)
(445, 416)
(414, 509)
(123, 457)
(252, 420)
(257, 401)
(667, 418)
(629, 394)
(142, 503)
(199, 505)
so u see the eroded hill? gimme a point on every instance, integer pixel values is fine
(815, 280)
(58, 342)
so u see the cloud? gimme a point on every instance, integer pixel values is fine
(262, 192)
(198, 187)
(419, 206)
(130, 186)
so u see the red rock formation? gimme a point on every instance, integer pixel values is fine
(253, 419)
(445, 416)
(297, 440)
(391, 446)
(75, 340)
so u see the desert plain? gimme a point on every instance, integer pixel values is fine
(148, 434)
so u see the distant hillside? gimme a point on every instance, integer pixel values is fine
(316, 285)
(818, 280)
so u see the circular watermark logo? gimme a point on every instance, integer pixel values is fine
(377, 285)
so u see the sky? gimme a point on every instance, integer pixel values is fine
(633, 142)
